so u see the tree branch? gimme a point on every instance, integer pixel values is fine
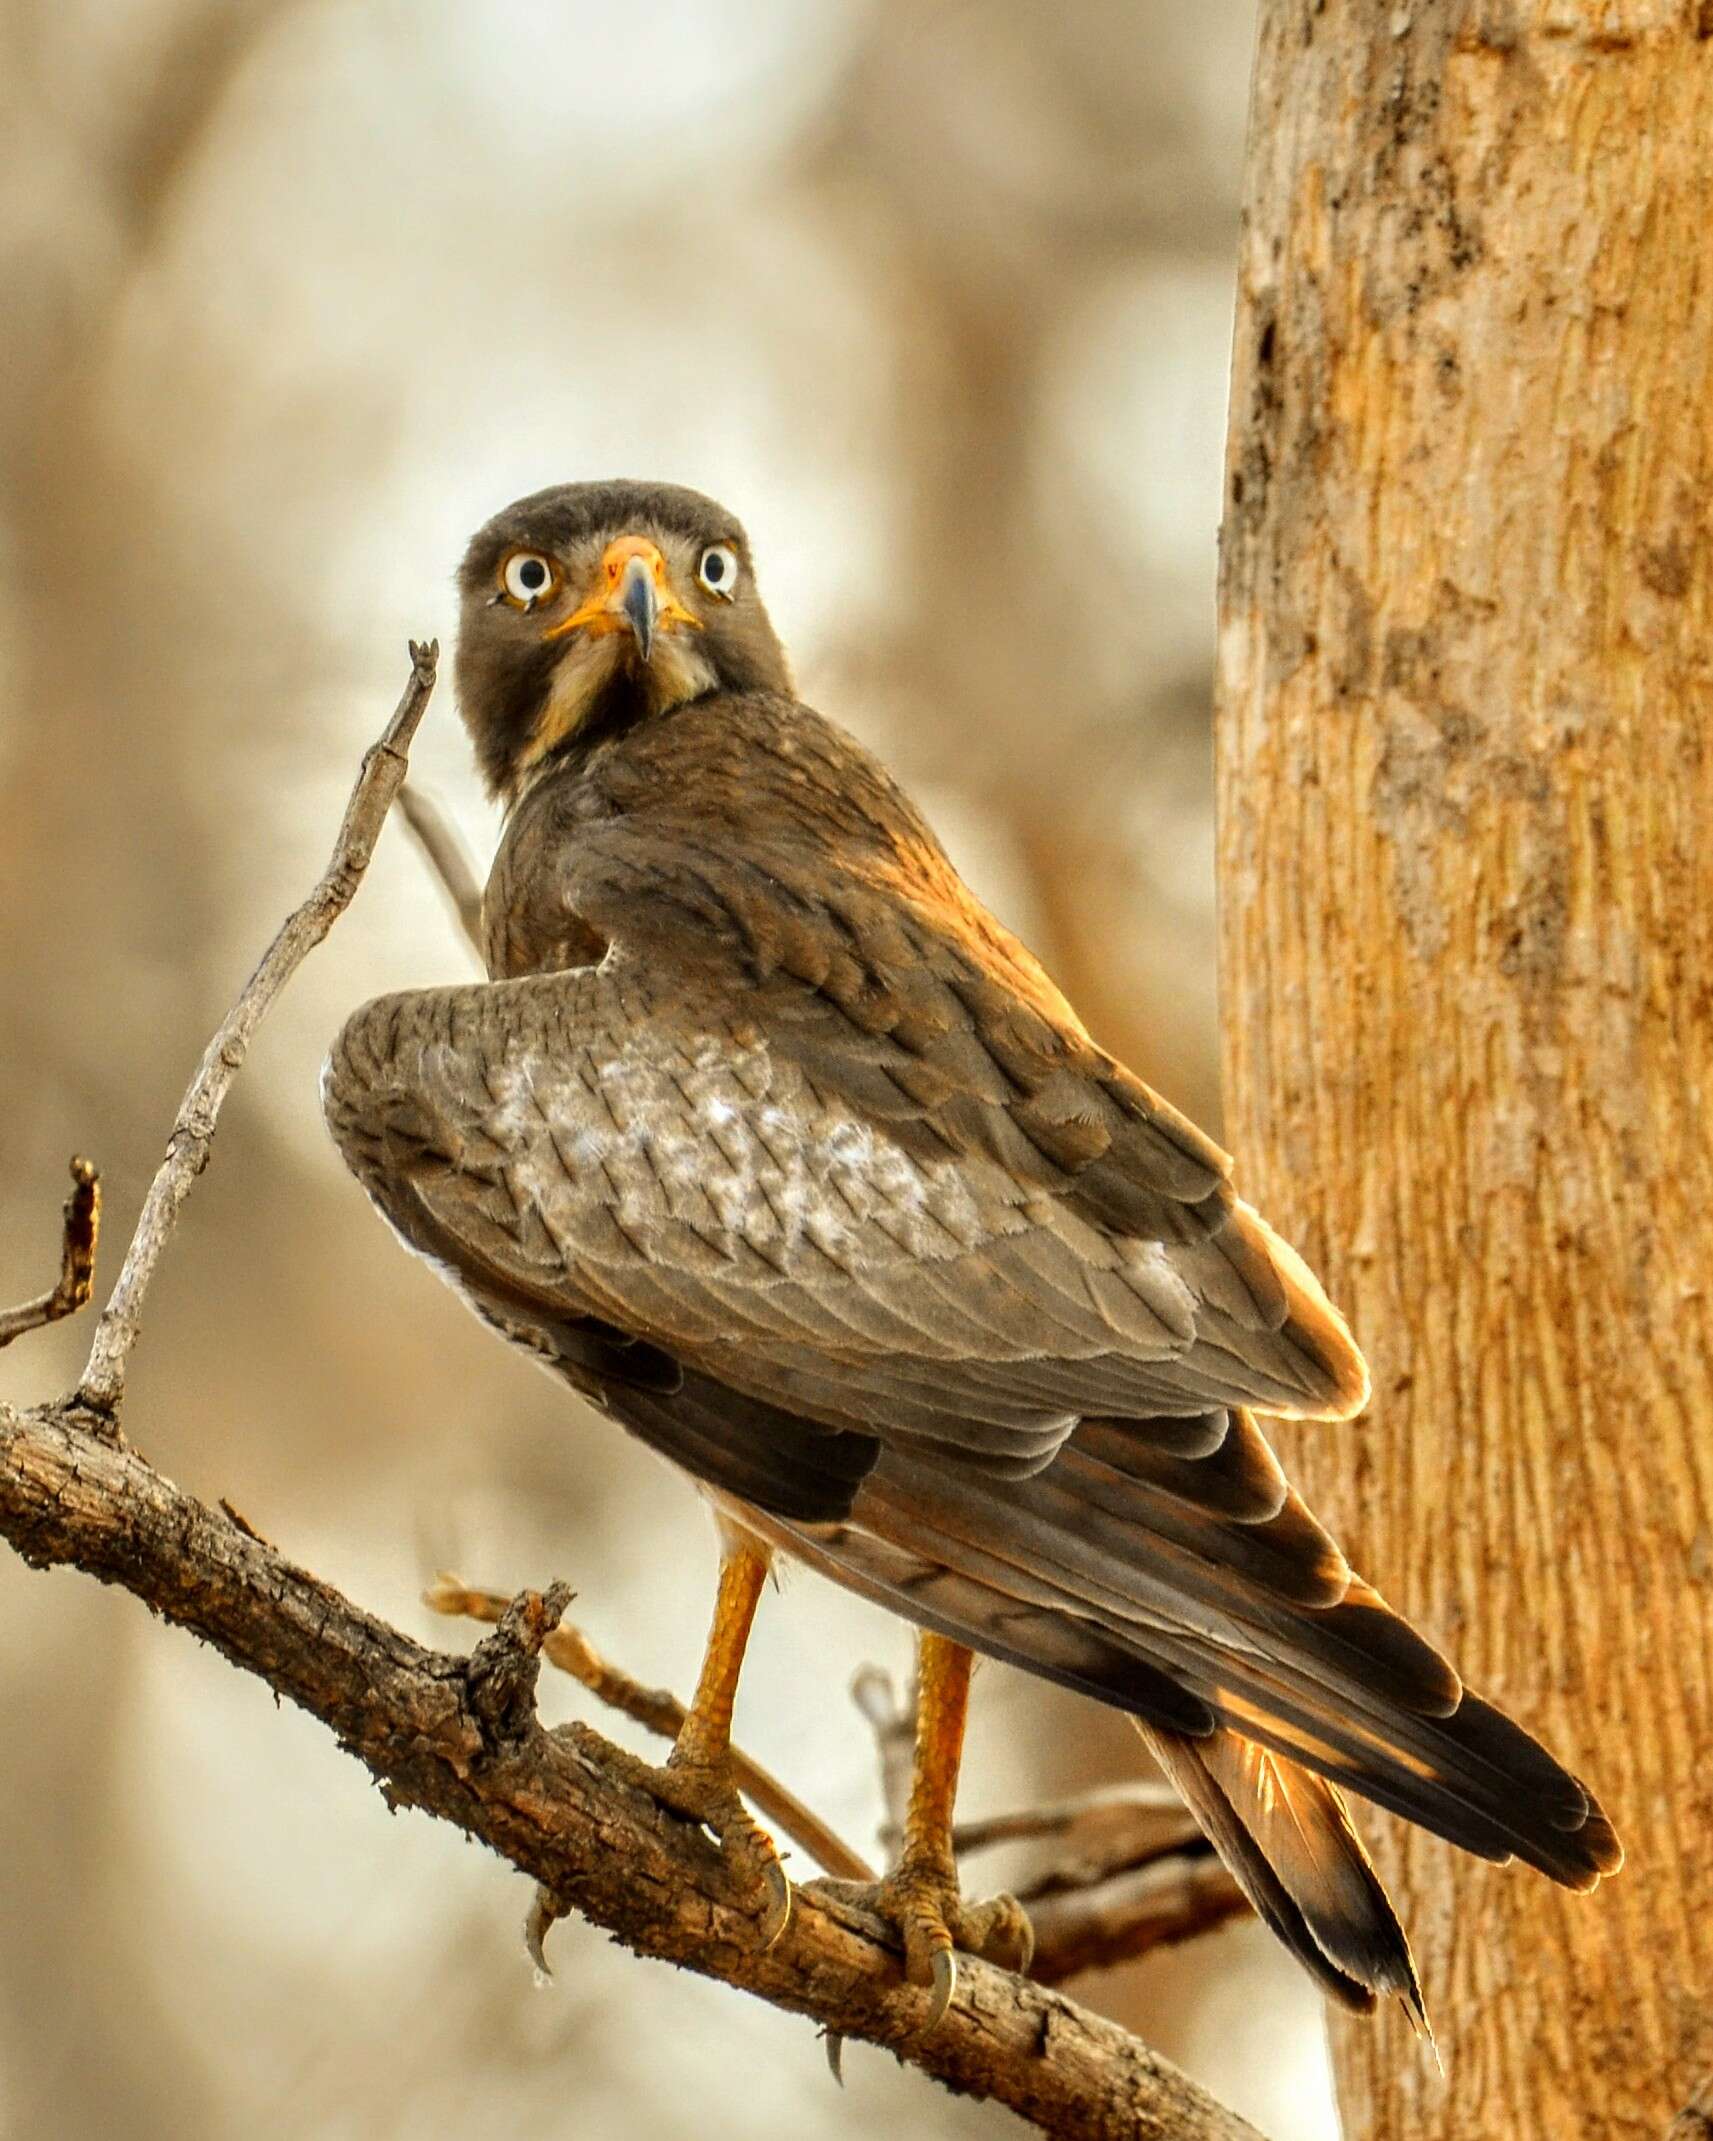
(188, 1147)
(1118, 1825)
(660, 1711)
(1126, 1914)
(80, 1231)
(448, 858)
(420, 1722)
(459, 1737)
(892, 1719)
(1132, 1872)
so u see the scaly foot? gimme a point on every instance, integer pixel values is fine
(704, 1792)
(920, 1900)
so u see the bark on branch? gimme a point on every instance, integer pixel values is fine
(79, 1232)
(459, 1737)
(429, 1728)
(658, 1710)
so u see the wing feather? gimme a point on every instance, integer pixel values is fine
(646, 1157)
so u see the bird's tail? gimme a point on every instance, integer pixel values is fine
(1290, 1846)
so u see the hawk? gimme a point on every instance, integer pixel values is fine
(767, 1138)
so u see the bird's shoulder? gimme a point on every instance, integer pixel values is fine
(743, 775)
(709, 809)
(755, 851)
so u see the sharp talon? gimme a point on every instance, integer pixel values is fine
(536, 1927)
(945, 1988)
(544, 1912)
(835, 2045)
(928, 1919)
(1024, 1928)
(544, 1915)
(777, 1915)
(703, 1792)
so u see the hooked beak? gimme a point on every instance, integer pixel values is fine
(631, 590)
(640, 604)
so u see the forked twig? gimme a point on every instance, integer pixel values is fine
(189, 1144)
(449, 859)
(80, 1232)
(1129, 1914)
(891, 1717)
(661, 1712)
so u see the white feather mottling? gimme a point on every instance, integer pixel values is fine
(673, 1132)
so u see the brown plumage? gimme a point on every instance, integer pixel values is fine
(779, 1148)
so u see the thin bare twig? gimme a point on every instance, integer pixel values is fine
(1106, 1831)
(1129, 1914)
(188, 1147)
(1119, 1824)
(449, 859)
(79, 1233)
(891, 1717)
(661, 1712)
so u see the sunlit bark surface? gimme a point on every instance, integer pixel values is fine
(1465, 834)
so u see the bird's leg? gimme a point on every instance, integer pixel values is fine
(920, 1897)
(696, 1779)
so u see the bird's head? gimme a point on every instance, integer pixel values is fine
(593, 605)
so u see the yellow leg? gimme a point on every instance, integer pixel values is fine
(705, 1737)
(942, 1711)
(696, 1780)
(920, 1897)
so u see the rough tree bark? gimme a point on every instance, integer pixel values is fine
(459, 1739)
(1465, 835)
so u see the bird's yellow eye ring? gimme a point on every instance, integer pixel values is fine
(717, 569)
(527, 578)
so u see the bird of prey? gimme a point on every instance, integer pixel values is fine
(775, 1145)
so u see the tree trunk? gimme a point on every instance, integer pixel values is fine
(1466, 852)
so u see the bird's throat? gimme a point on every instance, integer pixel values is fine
(590, 701)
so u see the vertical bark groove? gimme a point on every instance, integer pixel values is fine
(1464, 847)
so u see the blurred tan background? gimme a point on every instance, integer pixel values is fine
(296, 292)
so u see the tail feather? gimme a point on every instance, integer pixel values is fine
(1291, 1848)
(1476, 1778)
(1345, 1687)
(1189, 1586)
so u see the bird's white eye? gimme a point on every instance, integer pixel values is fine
(527, 577)
(718, 570)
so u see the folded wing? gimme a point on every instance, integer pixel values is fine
(657, 1160)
